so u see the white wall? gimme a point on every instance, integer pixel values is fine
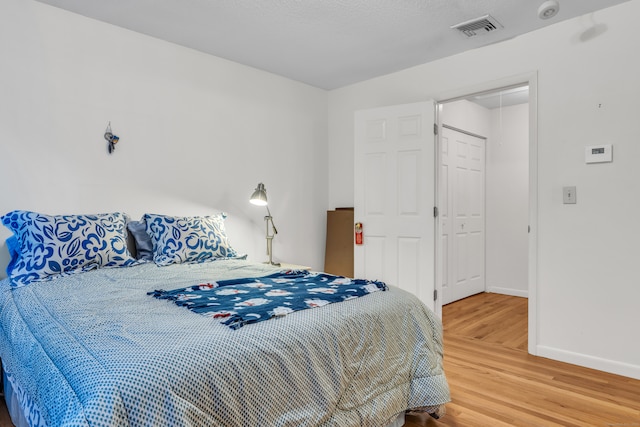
(197, 133)
(587, 285)
(467, 116)
(507, 201)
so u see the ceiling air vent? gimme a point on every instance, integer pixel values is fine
(475, 27)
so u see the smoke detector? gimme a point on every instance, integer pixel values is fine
(484, 24)
(548, 9)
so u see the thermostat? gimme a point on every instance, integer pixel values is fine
(598, 154)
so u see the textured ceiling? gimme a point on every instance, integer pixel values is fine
(325, 43)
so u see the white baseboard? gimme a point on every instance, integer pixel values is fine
(508, 291)
(611, 366)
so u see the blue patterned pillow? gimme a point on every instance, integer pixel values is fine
(188, 239)
(52, 246)
(13, 245)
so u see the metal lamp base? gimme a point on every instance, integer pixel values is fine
(276, 264)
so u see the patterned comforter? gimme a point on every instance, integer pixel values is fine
(95, 349)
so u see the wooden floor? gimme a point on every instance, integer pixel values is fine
(5, 420)
(494, 381)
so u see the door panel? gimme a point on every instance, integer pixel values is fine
(376, 169)
(409, 264)
(408, 174)
(374, 251)
(462, 228)
(394, 196)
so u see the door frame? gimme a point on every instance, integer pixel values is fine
(530, 79)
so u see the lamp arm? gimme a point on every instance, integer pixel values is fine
(275, 230)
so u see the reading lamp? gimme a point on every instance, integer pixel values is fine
(259, 198)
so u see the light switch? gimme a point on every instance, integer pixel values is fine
(569, 195)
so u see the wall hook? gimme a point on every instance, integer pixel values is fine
(112, 139)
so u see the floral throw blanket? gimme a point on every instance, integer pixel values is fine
(238, 302)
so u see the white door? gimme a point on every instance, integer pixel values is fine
(395, 195)
(462, 182)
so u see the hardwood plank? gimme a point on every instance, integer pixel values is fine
(5, 419)
(495, 382)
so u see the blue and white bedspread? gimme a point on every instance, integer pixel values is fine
(254, 299)
(93, 349)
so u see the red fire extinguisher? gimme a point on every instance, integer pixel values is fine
(358, 229)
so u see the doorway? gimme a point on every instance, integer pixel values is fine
(484, 193)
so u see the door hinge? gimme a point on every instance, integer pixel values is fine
(435, 129)
(528, 229)
(435, 294)
(435, 212)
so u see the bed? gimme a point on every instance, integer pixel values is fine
(92, 348)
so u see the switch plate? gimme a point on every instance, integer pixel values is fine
(569, 195)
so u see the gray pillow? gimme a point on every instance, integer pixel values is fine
(144, 245)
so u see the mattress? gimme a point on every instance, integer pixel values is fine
(95, 349)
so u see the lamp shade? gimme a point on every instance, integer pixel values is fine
(259, 196)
